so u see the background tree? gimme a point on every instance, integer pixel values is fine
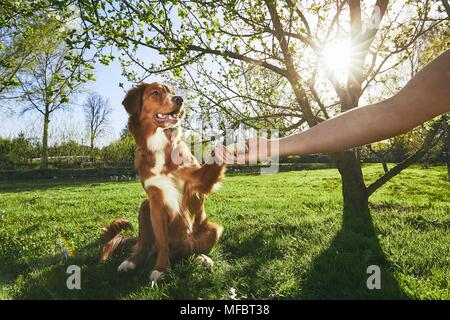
(15, 45)
(228, 51)
(19, 21)
(446, 148)
(446, 142)
(48, 82)
(14, 55)
(97, 111)
(399, 148)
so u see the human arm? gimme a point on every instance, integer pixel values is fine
(425, 96)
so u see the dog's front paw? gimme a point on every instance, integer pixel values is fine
(126, 266)
(156, 276)
(205, 260)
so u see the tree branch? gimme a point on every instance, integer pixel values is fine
(447, 7)
(427, 144)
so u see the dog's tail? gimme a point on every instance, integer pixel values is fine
(112, 241)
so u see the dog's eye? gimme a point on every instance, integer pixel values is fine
(155, 93)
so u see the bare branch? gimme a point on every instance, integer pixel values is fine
(430, 141)
(97, 111)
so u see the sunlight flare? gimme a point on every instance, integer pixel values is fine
(336, 58)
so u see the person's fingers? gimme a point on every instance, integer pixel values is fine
(240, 151)
(252, 156)
(244, 152)
(249, 151)
(230, 157)
(253, 146)
(223, 155)
(219, 155)
(263, 150)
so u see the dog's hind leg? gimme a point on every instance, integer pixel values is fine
(199, 242)
(145, 244)
(205, 260)
(205, 237)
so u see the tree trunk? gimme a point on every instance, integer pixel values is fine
(353, 188)
(426, 162)
(44, 151)
(447, 150)
(92, 137)
(385, 166)
(354, 191)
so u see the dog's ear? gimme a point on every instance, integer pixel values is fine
(133, 99)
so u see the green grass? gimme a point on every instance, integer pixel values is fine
(285, 238)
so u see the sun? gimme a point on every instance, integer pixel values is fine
(336, 58)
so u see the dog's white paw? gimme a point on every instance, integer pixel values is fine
(205, 260)
(216, 187)
(156, 276)
(126, 266)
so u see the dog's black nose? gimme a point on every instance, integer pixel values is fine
(178, 100)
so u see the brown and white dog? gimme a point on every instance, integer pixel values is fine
(172, 221)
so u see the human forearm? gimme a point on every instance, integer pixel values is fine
(424, 97)
(353, 128)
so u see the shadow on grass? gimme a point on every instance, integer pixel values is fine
(340, 272)
(46, 278)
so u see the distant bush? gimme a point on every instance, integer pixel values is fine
(70, 148)
(119, 153)
(17, 152)
(5, 149)
(22, 153)
(71, 154)
(312, 158)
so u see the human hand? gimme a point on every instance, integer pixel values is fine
(249, 151)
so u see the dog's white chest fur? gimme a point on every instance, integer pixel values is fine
(170, 189)
(157, 141)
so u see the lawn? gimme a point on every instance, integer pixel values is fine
(285, 238)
